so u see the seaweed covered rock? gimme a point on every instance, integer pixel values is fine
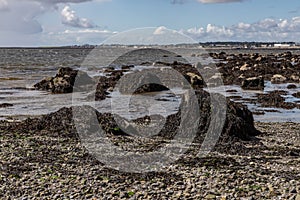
(141, 82)
(275, 99)
(297, 95)
(6, 105)
(253, 83)
(239, 123)
(64, 80)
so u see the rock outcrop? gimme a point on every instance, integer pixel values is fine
(253, 83)
(64, 80)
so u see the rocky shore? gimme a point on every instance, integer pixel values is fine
(44, 158)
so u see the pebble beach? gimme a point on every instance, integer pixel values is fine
(257, 157)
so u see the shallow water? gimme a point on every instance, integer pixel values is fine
(271, 114)
(20, 69)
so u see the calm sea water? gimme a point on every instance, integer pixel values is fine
(20, 69)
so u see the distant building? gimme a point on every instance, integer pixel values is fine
(279, 45)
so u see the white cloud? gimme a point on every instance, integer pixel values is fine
(264, 30)
(20, 26)
(19, 16)
(3, 5)
(219, 31)
(70, 18)
(160, 30)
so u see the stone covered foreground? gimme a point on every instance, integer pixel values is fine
(53, 165)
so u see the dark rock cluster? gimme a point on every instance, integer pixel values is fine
(239, 121)
(64, 80)
(277, 68)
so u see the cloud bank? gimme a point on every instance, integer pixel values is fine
(3, 5)
(264, 30)
(21, 15)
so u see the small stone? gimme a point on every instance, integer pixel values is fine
(210, 196)
(293, 191)
(277, 78)
(245, 67)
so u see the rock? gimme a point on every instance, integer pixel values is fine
(141, 82)
(210, 196)
(64, 80)
(291, 86)
(195, 79)
(6, 105)
(245, 67)
(260, 58)
(274, 99)
(277, 78)
(231, 91)
(106, 84)
(239, 122)
(295, 78)
(298, 197)
(297, 95)
(254, 83)
(242, 76)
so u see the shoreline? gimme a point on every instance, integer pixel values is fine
(44, 158)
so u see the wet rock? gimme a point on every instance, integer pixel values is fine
(64, 80)
(141, 82)
(295, 78)
(231, 91)
(291, 86)
(105, 84)
(259, 65)
(277, 78)
(239, 122)
(297, 95)
(254, 83)
(195, 79)
(245, 67)
(127, 67)
(6, 105)
(274, 99)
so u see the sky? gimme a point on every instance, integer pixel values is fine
(77, 22)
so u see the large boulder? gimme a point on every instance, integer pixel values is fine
(253, 83)
(64, 80)
(141, 82)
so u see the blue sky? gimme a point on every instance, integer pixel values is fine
(64, 22)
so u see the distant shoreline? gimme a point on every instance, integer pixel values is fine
(156, 46)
